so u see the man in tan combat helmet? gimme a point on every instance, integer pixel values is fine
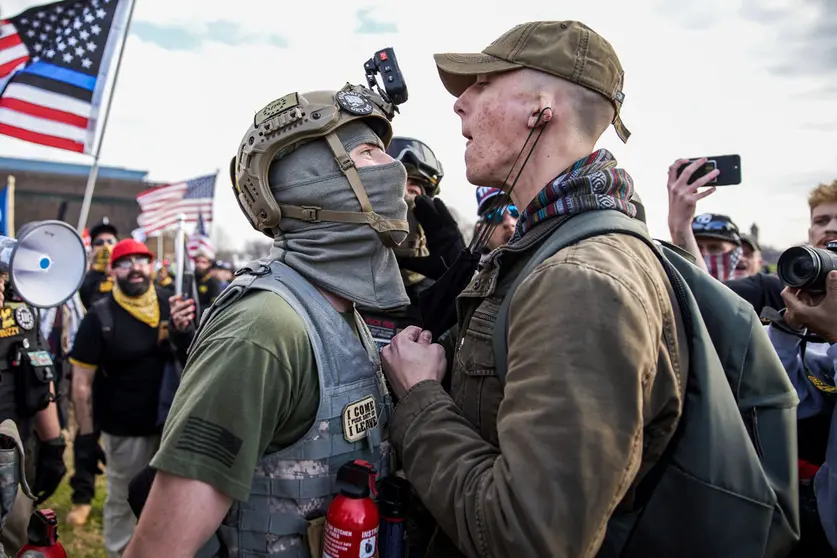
(282, 360)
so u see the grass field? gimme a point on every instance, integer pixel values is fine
(85, 541)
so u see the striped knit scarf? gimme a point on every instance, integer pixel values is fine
(589, 184)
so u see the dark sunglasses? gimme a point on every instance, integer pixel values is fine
(495, 216)
(103, 241)
(128, 261)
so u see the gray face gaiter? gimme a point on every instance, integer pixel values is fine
(346, 259)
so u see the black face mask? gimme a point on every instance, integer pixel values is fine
(134, 289)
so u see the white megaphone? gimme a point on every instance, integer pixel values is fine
(46, 263)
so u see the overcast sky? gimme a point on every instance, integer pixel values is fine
(752, 77)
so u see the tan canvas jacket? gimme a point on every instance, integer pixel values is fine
(593, 395)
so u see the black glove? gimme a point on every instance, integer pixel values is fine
(87, 453)
(50, 468)
(444, 240)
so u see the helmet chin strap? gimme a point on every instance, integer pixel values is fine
(367, 216)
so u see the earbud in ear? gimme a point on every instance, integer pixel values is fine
(540, 118)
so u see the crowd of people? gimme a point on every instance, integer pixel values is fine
(560, 385)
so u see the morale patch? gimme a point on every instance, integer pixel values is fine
(354, 103)
(24, 318)
(202, 289)
(8, 324)
(7, 319)
(210, 440)
(9, 332)
(40, 358)
(822, 386)
(382, 330)
(358, 418)
(278, 106)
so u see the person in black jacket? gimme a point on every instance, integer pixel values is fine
(761, 290)
(434, 241)
(125, 346)
(25, 398)
(97, 284)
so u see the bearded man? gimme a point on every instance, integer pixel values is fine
(123, 346)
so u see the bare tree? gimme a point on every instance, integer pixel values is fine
(224, 248)
(254, 249)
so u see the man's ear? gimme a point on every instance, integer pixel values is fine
(540, 116)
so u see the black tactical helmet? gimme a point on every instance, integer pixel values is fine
(419, 160)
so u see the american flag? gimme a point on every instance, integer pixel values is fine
(200, 242)
(54, 63)
(162, 206)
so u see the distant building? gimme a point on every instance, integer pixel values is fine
(42, 186)
(754, 232)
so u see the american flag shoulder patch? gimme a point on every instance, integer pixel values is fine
(209, 439)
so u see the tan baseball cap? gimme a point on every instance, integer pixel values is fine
(566, 49)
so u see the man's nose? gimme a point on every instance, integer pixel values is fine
(461, 103)
(457, 107)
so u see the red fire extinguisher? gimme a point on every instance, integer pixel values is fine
(351, 528)
(43, 537)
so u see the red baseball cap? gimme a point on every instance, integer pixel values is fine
(129, 247)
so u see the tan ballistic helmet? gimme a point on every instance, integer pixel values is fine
(290, 121)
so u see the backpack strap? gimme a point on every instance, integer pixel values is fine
(577, 228)
(105, 314)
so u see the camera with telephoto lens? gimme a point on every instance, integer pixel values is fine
(385, 63)
(806, 267)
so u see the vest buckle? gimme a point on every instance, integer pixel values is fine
(311, 214)
(250, 270)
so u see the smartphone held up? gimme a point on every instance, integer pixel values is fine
(728, 166)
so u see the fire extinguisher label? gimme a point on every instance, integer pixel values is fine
(339, 543)
(359, 418)
(368, 545)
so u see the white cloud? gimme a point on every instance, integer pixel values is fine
(697, 83)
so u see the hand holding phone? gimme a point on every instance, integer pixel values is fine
(683, 194)
(728, 167)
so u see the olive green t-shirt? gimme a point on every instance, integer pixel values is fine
(250, 388)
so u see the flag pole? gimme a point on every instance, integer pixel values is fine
(94, 170)
(211, 228)
(10, 207)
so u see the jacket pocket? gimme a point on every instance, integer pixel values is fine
(475, 353)
(476, 388)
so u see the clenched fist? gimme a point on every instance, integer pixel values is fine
(411, 358)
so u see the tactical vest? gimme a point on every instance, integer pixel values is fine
(295, 485)
(25, 364)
